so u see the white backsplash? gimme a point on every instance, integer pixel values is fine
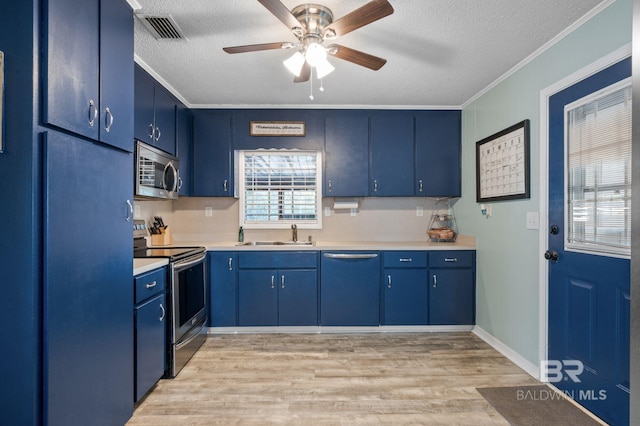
(377, 219)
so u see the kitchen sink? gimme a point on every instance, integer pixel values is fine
(276, 243)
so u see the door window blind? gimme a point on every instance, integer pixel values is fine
(280, 188)
(598, 147)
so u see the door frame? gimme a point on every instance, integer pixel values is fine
(543, 236)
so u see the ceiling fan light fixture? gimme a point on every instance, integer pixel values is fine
(294, 63)
(315, 54)
(324, 68)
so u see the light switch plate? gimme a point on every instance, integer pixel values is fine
(327, 211)
(533, 220)
(419, 211)
(208, 211)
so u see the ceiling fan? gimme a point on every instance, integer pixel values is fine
(312, 25)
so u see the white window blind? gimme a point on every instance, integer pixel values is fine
(598, 142)
(280, 188)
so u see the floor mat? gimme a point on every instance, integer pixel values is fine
(535, 405)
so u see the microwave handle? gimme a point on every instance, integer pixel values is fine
(175, 177)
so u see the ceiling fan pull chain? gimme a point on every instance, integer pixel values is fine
(311, 86)
(321, 85)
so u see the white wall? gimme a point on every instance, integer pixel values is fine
(508, 253)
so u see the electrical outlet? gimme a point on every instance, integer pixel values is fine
(327, 211)
(419, 211)
(354, 212)
(208, 211)
(136, 211)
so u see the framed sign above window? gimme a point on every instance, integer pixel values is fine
(278, 128)
(502, 165)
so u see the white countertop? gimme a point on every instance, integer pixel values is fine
(140, 266)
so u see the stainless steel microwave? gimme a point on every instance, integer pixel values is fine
(156, 173)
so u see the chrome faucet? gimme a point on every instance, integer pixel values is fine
(294, 231)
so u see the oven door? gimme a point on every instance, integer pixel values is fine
(188, 292)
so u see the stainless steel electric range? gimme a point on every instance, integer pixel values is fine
(186, 297)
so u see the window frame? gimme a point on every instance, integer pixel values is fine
(283, 223)
(596, 248)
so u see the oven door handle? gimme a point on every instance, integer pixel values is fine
(179, 266)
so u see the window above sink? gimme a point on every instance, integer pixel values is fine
(280, 188)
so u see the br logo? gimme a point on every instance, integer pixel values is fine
(555, 371)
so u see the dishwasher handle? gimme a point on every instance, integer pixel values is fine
(351, 255)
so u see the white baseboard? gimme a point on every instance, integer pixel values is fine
(340, 330)
(510, 354)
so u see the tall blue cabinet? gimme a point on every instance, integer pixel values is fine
(67, 245)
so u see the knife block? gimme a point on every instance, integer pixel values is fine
(163, 239)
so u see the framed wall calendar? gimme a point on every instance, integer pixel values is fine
(502, 165)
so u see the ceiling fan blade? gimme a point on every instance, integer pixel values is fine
(281, 12)
(257, 47)
(305, 74)
(356, 56)
(360, 17)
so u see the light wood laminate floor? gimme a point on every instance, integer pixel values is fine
(333, 379)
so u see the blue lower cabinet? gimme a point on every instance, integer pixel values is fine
(151, 333)
(270, 297)
(452, 288)
(223, 291)
(150, 329)
(350, 289)
(405, 297)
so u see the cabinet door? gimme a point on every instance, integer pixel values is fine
(164, 105)
(71, 60)
(405, 297)
(212, 169)
(184, 132)
(143, 114)
(151, 335)
(451, 297)
(88, 294)
(346, 156)
(392, 164)
(298, 297)
(223, 296)
(257, 297)
(438, 144)
(116, 74)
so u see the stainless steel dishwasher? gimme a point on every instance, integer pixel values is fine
(350, 288)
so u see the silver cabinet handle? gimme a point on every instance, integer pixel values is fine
(406, 259)
(130, 212)
(93, 112)
(375, 185)
(282, 280)
(164, 313)
(273, 279)
(388, 281)
(152, 284)
(231, 263)
(350, 255)
(224, 185)
(330, 185)
(435, 280)
(151, 131)
(450, 259)
(157, 134)
(108, 120)
(179, 183)
(420, 185)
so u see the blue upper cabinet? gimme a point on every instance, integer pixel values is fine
(89, 75)
(154, 113)
(391, 172)
(212, 170)
(346, 172)
(184, 148)
(437, 159)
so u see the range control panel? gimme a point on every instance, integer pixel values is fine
(139, 228)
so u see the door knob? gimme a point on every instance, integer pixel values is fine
(551, 255)
(553, 230)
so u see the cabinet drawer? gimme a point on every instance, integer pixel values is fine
(278, 260)
(405, 259)
(451, 259)
(150, 284)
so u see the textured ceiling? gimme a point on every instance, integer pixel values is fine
(440, 53)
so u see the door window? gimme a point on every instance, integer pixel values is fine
(598, 175)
